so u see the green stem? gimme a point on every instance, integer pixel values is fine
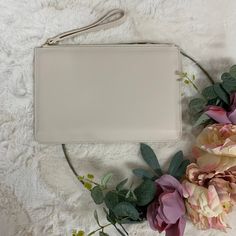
(70, 164)
(119, 231)
(211, 80)
(194, 85)
(123, 228)
(101, 228)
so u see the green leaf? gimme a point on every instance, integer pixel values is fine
(175, 163)
(150, 158)
(229, 82)
(226, 77)
(95, 214)
(203, 119)
(143, 173)
(128, 221)
(233, 71)
(111, 199)
(215, 101)
(123, 196)
(121, 185)
(145, 192)
(229, 87)
(97, 195)
(209, 93)
(126, 209)
(182, 169)
(196, 105)
(103, 234)
(110, 216)
(105, 179)
(221, 93)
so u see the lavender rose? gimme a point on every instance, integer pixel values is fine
(166, 212)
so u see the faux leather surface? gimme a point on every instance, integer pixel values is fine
(107, 93)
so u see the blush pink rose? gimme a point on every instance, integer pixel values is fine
(167, 211)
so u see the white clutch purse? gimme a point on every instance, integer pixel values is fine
(106, 93)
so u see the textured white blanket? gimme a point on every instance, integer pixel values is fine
(38, 193)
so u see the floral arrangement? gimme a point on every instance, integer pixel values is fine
(203, 191)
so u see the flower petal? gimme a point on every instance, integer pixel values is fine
(151, 215)
(232, 117)
(177, 229)
(218, 114)
(169, 183)
(210, 162)
(172, 207)
(233, 101)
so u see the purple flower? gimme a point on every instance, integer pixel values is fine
(167, 210)
(222, 116)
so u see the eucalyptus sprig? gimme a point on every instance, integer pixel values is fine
(217, 94)
(187, 79)
(126, 203)
(100, 229)
(176, 168)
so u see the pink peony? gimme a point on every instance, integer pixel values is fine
(218, 139)
(210, 195)
(166, 212)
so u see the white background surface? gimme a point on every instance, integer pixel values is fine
(38, 193)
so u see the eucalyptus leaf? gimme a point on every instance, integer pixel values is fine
(182, 169)
(176, 163)
(123, 196)
(143, 173)
(150, 158)
(213, 101)
(110, 216)
(126, 209)
(96, 217)
(128, 194)
(97, 195)
(203, 119)
(121, 185)
(128, 221)
(111, 199)
(233, 71)
(196, 105)
(209, 93)
(226, 77)
(106, 178)
(221, 93)
(145, 192)
(229, 87)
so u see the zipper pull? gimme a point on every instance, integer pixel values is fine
(115, 16)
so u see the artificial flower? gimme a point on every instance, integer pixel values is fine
(224, 182)
(211, 162)
(221, 115)
(218, 139)
(209, 195)
(167, 211)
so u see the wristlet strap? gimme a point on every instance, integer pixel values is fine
(115, 16)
